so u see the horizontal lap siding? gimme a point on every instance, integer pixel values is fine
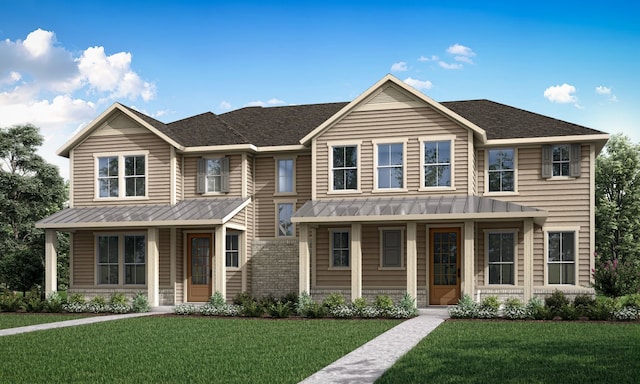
(324, 276)
(234, 283)
(165, 258)
(410, 124)
(191, 175)
(158, 167)
(250, 216)
(83, 259)
(180, 272)
(179, 177)
(372, 276)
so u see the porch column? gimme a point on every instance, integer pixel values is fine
(412, 261)
(51, 261)
(356, 261)
(528, 259)
(468, 259)
(220, 282)
(153, 265)
(303, 264)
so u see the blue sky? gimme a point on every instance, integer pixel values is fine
(63, 63)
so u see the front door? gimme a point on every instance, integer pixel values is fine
(444, 266)
(199, 267)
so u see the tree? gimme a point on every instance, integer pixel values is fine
(618, 218)
(30, 189)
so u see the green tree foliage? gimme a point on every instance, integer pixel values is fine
(30, 189)
(618, 218)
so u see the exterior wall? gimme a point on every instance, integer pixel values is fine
(275, 267)
(180, 269)
(179, 178)
(190, 177)
(407, 123)
(83, 260)
(164, 259)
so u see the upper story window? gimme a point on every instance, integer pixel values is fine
(562, 160)
(115, 171)
(285, 178)
(501, 170)
(344, 167)
(437, 163)
(390, 165)
(213, 175)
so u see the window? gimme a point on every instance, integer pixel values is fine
(501, 170)
(344, 167)
(213, 175)
(232, 250)
(391, 248)
(436, 163)
(390, 165)
(561, 253)
(285, 176)
(561, 160)
(114, 171)
(340, 248)
(285, 226)
(121, 255)
(501, 257)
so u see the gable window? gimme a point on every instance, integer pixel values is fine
(390, 165)
(213, 175)
(501, 257)
(436, 163)
(114, 171)
(121, 255)
(285, 175)
(561, 160)
(340, 248)
(232, 250)
(561, 257)
(285, 226)
(344, 167)
(501, 170)
(391, 248)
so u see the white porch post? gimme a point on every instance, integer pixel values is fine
(153, 264)
(303, 263)
(412, 261)
(468, 259)
(220, 282)
(51, 262)
(528, 259)
(356, 261)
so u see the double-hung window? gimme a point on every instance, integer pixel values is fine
(501, 257)
(285, 179)
(340, 248)
(561, 160)
(501, 170)
(232, 250)
(121, 257)
(213, 175)
(284, 214)
(115, 171)
(134, 259)
(391, 248)
(437, 166)
(344, 167)
(561, 257)
(390, 166)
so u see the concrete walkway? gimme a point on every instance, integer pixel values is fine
(367, 363)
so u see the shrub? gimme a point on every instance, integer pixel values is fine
(603, 308)
(556, 303)
(185, 309)
(399, 312)
(341, 311)
(140, 303)
(280, 309)
(408, 305)
(304, 304)
(10, 302)
(632, 300)
(97, 304)
(242, 297)
(76, 298)
(32, 301)
(291, 298)
(252, 309)
(358, 306)
(514, 309)
(584, 305)
(334, 300)
(217, 300)
(488, 308)
(465, 309)
(316, 310)
(383, 303)
(118, 303)
(568, 312)
(536, 310)
(54, 302)
(615, 278)
(267, 301)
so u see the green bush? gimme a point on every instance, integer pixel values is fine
(536, 310)
(118, 298)
(632, 300)
(316, 311)
(217, 300)
(303, 306)
(291, 298)
(383, 303)
(514, 309)
(10, 302)
(584, 305)
(268, 300)
(242, 297)
(334, 300)
(280, 309)
(54, 302)
(140, 303)
(465, 309)
(252, 309)
(358, 306)
(76, 298)
(408, 305)
(32, 301)
(556, 303)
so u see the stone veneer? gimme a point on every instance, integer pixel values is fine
(274, 267)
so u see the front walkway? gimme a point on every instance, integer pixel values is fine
(367, 363)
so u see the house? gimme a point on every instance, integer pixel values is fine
(392, 192)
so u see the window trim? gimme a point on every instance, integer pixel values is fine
(490, 231)
(425, 139)
(381, 265)
(515, 191)
(330, 145)
(201, 178)
(277, 160)
(576, 244)
(122, 190)
(277, 203)
(376, 166)
(575, 161)
(331, 232)
(121, 258)
(239, 250)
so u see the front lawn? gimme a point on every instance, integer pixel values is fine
(183, 349)
(523, 352)
(14, 320)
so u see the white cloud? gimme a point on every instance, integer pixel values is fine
(449, 66)
(419, 84)
(561, 94)
(225, 105)
(399, 67)
(463, 59)
(606, 91)
(268, 103)
(460, 50)
(432, 58)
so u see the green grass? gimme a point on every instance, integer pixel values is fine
(523, 352)
(13, 320)
(191, 349)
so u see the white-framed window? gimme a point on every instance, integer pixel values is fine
(437, 165)
(561, 250)
(391, 247)
(501, 170)
(213, 175)
(389, 160)
(561, 160)
(113, 171)
(501, 256)
(340, 248)
(232, 250)
(284, 212)
(344, 167)
(285, 176)
(121, 258)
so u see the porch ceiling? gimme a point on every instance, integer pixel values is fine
(193, 212)
(414, 209)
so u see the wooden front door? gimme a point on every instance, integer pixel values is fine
(199, 267)
(444, 266)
